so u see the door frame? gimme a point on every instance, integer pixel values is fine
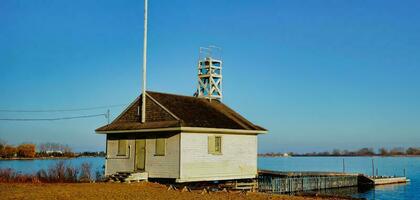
(135, 155)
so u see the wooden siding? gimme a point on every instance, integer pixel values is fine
(237, 160)
(116, 163)
(166, 166)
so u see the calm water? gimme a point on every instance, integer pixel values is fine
(385, 165)
(32, 166)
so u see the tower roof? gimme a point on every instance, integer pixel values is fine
(176, 111)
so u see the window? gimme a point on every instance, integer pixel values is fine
(215, 145)
(218, 144)
(122, 147)
(160, 147)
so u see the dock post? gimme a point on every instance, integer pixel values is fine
(373, 169)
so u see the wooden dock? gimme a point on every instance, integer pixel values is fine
(291, 182)
(381, 180)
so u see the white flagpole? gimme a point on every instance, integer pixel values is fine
(143, 105)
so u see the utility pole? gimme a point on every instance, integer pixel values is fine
(108, 115)
(143, 101)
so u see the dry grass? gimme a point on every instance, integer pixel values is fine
(120, 191)
(61, 172)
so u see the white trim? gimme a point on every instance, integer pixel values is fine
(189, 129)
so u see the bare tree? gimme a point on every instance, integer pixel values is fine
(42, 148)
(336, 152)
(3, 145)
(365, 152)
(383, 152)
(413, 151)
(397, 151)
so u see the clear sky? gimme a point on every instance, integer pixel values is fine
(318, 74)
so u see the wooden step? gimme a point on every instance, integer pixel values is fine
(127, 177)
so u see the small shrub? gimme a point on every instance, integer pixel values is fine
(56, 173)
(6, 175)
(99, 174)
(59, 172)
(42, 175)
(9, 175)
(85, 173)
(71, 174)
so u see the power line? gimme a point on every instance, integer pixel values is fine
(52, 119)
(62, 110)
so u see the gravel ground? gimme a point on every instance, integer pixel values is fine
(110, 191)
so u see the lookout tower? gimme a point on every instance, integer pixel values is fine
(209, 75)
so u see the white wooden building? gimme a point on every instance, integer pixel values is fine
(185, 139)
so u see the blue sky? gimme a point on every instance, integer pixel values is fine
(318, 74)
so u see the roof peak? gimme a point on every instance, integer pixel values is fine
(181, 95)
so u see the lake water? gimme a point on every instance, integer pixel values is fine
(32, 166)
(385, 165)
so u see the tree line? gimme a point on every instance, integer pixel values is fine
(47, 149)
(29, 150)
(23, 150)
(398, 151)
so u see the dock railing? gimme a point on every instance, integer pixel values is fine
(290, 182)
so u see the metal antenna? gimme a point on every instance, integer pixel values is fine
(143, 101)
(219, 49)
(209, 74)
(206, 52)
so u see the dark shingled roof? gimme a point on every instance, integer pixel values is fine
(169, 110)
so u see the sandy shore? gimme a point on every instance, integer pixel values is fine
(121, 191)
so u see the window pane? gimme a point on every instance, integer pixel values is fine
(122, 147)
(218, 144)
(160, 146)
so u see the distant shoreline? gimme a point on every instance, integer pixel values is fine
(48, 158)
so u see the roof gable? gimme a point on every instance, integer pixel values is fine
(154, 112)
(169, 110)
